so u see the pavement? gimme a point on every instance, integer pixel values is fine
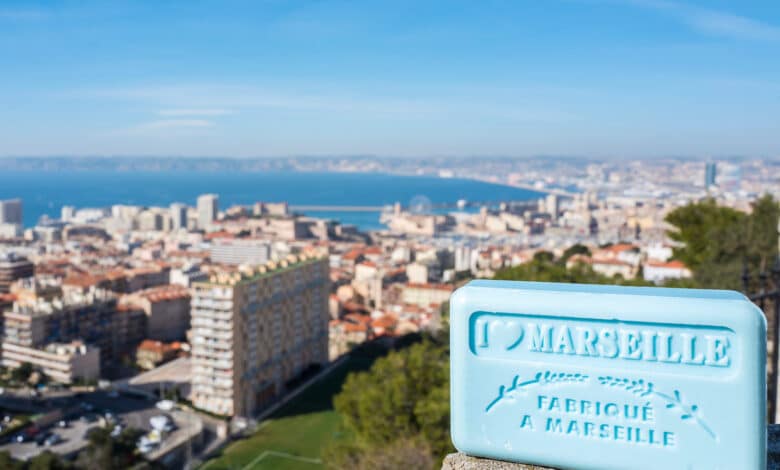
(72, 442)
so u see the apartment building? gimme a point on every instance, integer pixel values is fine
(13, 267)
(178, 214)
(254, 329)
(167, 310)
(88, 317)
(426, 295)
(11, 211)
(240, 251)
(63, 362)
(128, 330)
(208, 208)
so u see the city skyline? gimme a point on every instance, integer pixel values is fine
(634, 78)
(337, 234)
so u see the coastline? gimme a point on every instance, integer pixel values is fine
(45, 192)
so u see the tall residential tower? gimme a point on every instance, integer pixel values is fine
(11, 211)
(255, 329)
(208, 207)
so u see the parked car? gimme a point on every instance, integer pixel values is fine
(62, 423)
(89, 418)
(42, 438)
(165, 405)
(148, 442)
(162, 423)
(53, 440)
(29, 434)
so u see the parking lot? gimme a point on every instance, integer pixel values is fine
(86, 411)
(72, 441)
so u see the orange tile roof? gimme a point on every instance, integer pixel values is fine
(445, 287)
(357, 318)
(386, 321)
(153, 346)
(352, 255)
(613, 262)
(166, 292)
(355, 328)
(620, 247)
(674, 264)
(83, 280)
(221, 234)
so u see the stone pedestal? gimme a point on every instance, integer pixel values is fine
(464, 462)
(460, 461)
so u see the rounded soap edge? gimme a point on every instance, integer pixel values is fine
(457, 440)
(460, 300)
(757, 316)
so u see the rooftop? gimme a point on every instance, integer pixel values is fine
(443, 287)
(66, 301)
(253, 273)
(163, 293)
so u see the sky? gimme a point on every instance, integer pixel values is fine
(599, 78)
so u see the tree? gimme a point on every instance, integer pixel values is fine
(104, 452)
(99, 452)
(8, 462)
(577, 249)
(716, 241)
(47, 460)
(544, 256)
(404, 394)
(23, 372)
(762, 232)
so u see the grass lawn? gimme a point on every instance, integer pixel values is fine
(292, 438)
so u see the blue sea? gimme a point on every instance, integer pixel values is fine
(45, 192)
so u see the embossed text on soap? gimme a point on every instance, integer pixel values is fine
(532, 337)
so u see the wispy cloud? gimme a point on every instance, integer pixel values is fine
(216, 98)
(713, 22)
(177, 124)
(190, 106)
(734, 26)
(194, 112)
(165, 127)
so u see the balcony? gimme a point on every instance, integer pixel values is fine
(213, 364)
(226, 305)
(211, 314)
(216, 383)
(212, 391)
(210, 353)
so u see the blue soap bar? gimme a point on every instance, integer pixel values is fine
(607, 377)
